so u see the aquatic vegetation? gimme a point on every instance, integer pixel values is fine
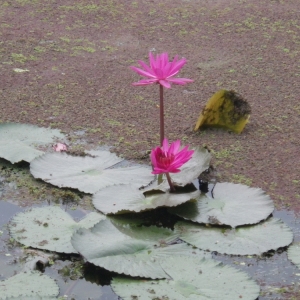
(227, 218)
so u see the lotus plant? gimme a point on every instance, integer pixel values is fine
(161, 71)
(168, 159)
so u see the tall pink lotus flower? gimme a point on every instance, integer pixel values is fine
(168, 159)
(161, 71)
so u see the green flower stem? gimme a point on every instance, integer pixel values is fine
(161, 108)
(172, 189)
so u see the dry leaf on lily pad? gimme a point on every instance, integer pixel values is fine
(225, 109)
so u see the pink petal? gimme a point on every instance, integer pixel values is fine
(165, 83)
(164, 59)
(165, 146)
(145, 82)
(174, 147)
(146, 68)
(153, 157)
(60, 147)
(142, 72)
(176, 66)
(166, 70)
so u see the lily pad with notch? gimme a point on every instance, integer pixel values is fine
(229, 204)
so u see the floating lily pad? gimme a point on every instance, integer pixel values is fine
(230, 204)
(129, 250)
(49, 228)
(28, 285)
(127, 198)
(294, 254)
(247, 240)
(87, 174)
(191, 278)
(22, 142)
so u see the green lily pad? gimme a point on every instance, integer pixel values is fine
(28, 285)
(87, 174)
(128, 198)
(247, 240)
(129, 250)
(230, 204)
(190, 278)
(294, 254)
(22, 142)
(49, 228)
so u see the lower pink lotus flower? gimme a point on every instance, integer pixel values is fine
(168, 159)
(59, 147)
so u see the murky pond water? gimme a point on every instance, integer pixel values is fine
(274, 273)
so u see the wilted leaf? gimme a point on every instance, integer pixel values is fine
(225, 109)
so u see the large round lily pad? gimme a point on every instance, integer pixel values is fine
(129, 250)
(228, 204)
(49, 228)
(22, 142)
(190, 278)
(29, 285)
(87, 174)
(247, 240)
(128, 198)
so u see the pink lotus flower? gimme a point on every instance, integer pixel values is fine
(168, 159)
(59, 147)
(161, 71)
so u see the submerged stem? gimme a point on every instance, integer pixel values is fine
(161, 108)
(172, 189)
